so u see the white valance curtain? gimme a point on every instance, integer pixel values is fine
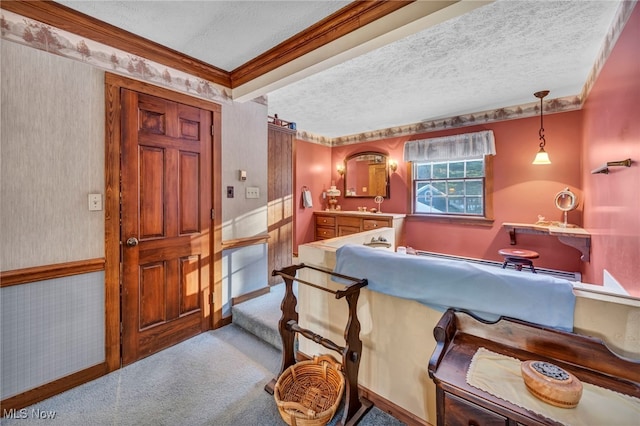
(455, 147)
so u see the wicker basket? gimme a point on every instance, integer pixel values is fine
(308, 393)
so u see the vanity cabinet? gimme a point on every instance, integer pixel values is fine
(460, 336)
(325, 227)
(347, 225)
(330, 224)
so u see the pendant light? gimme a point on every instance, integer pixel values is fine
(541, 157)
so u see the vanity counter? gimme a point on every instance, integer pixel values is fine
(357, 213)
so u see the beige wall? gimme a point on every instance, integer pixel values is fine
(52, 147)
(52, 157)
(244, 147)
(52, 152)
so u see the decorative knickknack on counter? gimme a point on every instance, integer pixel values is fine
(332, 193)
(551, 384)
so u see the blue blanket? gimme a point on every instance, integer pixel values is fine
(486, 291)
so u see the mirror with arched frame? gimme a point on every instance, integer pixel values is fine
(366, 175)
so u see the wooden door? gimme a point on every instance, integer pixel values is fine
(280, 199)
(378, 179)
(166, 217)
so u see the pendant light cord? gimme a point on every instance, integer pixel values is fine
(541, 131)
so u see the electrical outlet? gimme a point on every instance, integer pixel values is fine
(229, 191)
(252, 192)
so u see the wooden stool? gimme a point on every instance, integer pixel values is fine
(519, 258)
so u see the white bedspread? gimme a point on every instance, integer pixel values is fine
(487, 292)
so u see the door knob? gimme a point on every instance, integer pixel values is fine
(132, 242)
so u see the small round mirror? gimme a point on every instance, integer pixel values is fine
(566, 200)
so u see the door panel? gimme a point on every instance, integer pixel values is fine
(189, 193)
(166, 200)
(378, 179)
(280, 200)
(189, 284)
(152, 161)
(152, 294)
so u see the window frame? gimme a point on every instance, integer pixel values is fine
(487, 219)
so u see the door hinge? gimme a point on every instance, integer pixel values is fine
(213, 129)
(211, 298)
(213, 214)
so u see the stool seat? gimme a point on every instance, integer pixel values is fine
(527, 254)
(519, 258)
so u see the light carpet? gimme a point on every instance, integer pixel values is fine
(260, 315)
(215, 378)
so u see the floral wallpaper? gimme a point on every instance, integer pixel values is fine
(26, 31)
(44, 37)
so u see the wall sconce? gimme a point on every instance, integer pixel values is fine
(541, 157)
(393, 165)
(340, 168)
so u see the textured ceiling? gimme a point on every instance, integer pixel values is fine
(495, 56)
(225, 34)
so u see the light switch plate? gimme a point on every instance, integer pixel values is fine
(252, 192)
(95, 202)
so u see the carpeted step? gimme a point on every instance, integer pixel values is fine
(260, 315)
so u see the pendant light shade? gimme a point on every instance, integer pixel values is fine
(541, 157)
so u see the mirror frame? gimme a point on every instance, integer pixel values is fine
(346, 193)
(573, 204)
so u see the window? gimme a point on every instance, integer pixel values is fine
(452, 175)
(449, 187)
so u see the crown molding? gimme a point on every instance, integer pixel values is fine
(340, 23)
(67, 19)
(346, 20)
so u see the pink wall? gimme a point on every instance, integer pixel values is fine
(612, 133)
(607, 129)
(312, 166)
(522, 191)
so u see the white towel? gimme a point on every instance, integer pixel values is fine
(306, 198)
